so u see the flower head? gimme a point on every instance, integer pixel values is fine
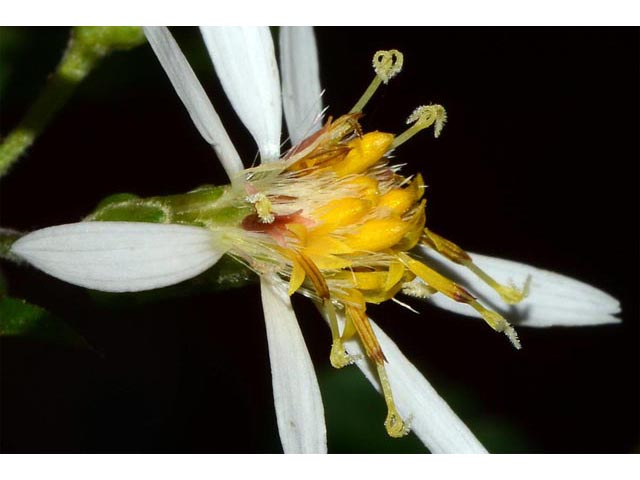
(333, 219)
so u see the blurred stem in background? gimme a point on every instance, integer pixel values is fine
(7, 237)
(86, 47)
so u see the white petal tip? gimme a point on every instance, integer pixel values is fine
(554, 299)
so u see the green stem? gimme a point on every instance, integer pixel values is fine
(86, 47)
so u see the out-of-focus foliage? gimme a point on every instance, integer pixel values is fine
(20, 318)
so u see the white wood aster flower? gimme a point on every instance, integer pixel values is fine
(131, 256)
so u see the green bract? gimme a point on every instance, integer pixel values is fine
(207, 206)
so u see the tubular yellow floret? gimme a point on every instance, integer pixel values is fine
(297, 277)
(364, 280)
(364, 152)
(377, 235)
(395, 274)
(399, 200)
(375, 286)
(365, 188)
(340, 212)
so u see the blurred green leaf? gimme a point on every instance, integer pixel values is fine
(10, 40)
(355, 415)
(3, 284)
(500, 436)
(19, 318)
(497, 433)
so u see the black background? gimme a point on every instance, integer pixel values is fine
(538, 163)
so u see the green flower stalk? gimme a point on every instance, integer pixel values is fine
(86, 47)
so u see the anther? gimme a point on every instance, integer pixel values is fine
(423, 117)
(263, 207)
(387, 64)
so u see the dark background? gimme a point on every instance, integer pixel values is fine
(538, 163)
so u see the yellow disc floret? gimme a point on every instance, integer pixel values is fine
(363, 153)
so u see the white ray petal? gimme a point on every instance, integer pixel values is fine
(431, 419)
(245, 62)
(301, 91)
(554, 299)
(193, 96)
(121, 256)
(296, 394)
